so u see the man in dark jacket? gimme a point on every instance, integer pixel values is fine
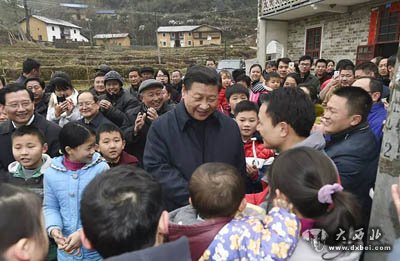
(30, 68)
(123, 218)
(19, 106)
(152, 106)
(116, 101)
(190, 135)
(135, 79)
(89, 109)
(305, 63)
(352, 147)
(41, 98)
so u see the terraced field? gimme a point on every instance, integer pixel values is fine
(79, 63)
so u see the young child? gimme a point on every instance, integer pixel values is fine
(23, 236)
(246, 116)
(111, 144)
(316, 195)
(64, 182)
(29, 148)
(218, 231)
(271, 81)
(234, 95)
(225, 82)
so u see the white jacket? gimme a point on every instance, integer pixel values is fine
(64, 117)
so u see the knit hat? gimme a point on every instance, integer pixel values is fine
(113, 75)
(149, 84)
(104, 68)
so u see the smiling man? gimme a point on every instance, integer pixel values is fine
(89, 109)
(141, 117)
(352, 146)
(19, 106)
(190, 135)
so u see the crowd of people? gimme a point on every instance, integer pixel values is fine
(204, 165)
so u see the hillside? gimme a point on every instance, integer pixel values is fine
(237, 18)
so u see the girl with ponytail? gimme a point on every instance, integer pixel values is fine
(308, 179)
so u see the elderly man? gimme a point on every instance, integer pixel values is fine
(89, 109)
(190, 135)
(152, 106)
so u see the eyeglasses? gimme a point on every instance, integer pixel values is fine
(23, 104)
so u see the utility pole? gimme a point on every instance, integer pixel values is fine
(383, 214)
(157, 43)
(28, 30)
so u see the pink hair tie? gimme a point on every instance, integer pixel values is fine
(326, 191)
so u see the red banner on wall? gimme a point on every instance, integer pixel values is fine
(373, 24)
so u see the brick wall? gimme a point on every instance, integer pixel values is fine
(341, 33)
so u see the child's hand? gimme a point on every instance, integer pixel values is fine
(58, 238)
(251, 170)
(73, 243)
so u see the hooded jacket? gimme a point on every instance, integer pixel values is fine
(62, 194)
(121, 103)
(273, 237)
(34, 183)
(184, 222)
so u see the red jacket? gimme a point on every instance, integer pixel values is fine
(223, 105)
(125, 159)
(261, 151)
(183, 222)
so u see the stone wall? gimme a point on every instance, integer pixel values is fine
(341, 33)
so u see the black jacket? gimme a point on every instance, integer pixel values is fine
(96, 122)
(41, 106)
(177, 144)
(355, 153)
(49, 129)
(121, 103)
(176, 250)
(135, 144)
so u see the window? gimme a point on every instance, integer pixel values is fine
(201, 42)
(163, 34)
(364, 53)
(388, 26)
(189, 42)
(164, 43)
(190, 33)
(52, 28)
(54, 37)
(313, 42)
(40, 37)
(74, 31)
